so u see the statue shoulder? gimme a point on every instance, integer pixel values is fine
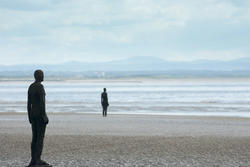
(38, 87)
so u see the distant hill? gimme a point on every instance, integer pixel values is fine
(137, 64)
(134, 67)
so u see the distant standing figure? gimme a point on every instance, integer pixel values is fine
(37, 118)
(105, 103)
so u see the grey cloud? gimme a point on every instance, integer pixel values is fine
(27, 5)
(84, 29)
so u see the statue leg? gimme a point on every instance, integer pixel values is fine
(40, 138)
(33, 144)
(103, 111)
(106, 111)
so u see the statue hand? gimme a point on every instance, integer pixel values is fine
(46, 119)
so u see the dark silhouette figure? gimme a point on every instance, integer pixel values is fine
(37, 118)
(105, 103)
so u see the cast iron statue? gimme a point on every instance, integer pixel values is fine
(104, 101)
(37, 118)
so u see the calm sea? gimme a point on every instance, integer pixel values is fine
(210, 97)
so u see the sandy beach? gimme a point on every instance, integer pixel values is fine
(129, 140)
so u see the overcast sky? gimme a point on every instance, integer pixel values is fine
(54, 31)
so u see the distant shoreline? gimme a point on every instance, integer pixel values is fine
(132, 79)
(138, 115)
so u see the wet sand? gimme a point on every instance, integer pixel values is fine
(129, 140)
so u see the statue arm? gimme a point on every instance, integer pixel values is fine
(42, 105)
(29, 105)
(107, 100)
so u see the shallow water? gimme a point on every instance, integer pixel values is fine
(218, 97)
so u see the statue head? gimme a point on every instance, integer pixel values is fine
(38, 74)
